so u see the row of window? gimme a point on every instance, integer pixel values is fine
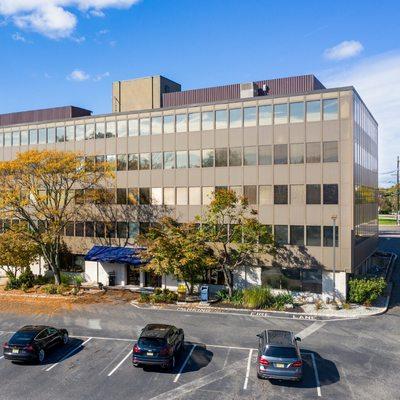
(223, 157)
(298, 235)
(192, 122)
(195, 195)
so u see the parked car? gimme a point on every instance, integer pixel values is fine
(279, 356)
(158, 345)
(33, 342)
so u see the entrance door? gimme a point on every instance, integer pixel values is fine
(151, 279)
(133, 276)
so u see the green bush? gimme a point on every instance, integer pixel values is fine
(78, 280)
(50, 288)
(12, 283)
(27, 278)
(43, 280)
(366, 291)
(163, 296)
(282, 299)
(237, 297)
(222, 294)
(144, 297)
(258, 297)
(65, 279)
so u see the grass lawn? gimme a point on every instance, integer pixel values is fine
(387, 221)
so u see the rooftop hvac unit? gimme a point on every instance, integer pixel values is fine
(248, 90)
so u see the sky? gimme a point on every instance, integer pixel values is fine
(68, 52)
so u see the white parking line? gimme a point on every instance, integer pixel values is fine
(316, 374)
(115, 358)
(120, 363)
(68, 354)
(184, 364)
(310, 329)
(246, 381)
(1, 357)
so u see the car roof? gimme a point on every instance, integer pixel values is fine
(279, 338)
(156, 330)
(33, 328)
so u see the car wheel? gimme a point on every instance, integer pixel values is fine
(41, 356)
(136, 365)
(259, 376)
(65, 339)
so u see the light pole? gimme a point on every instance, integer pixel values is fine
(334, 256)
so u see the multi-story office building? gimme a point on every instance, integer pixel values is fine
(299, 152)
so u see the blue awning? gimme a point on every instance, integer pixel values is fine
(121, 255)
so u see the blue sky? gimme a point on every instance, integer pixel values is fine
(58, 52)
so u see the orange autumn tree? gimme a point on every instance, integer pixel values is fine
(38, 192)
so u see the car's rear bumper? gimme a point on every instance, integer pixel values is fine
(21, 357)
(164, 361)
(281, 375)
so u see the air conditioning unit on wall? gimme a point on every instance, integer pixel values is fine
(248, 90)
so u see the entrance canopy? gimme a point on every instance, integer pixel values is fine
(121, 255)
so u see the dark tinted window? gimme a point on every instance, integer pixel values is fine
(281, 352)
(297, 235)
(331, 194)
(328, 236)
(313, 194)
(280, 154)
(280, 194)
(23, 337)
(153, 342)
(313, 235)
(281, 234)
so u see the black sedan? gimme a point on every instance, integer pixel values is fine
(32, 342)
(158, 345)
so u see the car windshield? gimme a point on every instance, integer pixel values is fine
(152, 342)
(22, 337)
(280, 352)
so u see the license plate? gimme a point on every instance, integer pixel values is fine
(149, 353)
(279, 365)
(15, 351)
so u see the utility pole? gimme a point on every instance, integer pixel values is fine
(334, 257)
(397, 191)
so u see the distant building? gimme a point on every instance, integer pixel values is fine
(300, 153)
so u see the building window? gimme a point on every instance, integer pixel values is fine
(313, 110)
(221, 157)
(250, 156)
(330, 109)
(181, 123)
(133, 127)
(281, 234)
(33, 135)
(25, 137)
(169, 196)
(122, 230)
(235, 157)
(313, 152)
(194, 159)
(15, 138)
(79, 132)
(331, 194)
(89, 229)
(169, 160)
(121, 196)
(330, 151)
(297, 195)
(297, 235)
(144, 195)
(42, 136)
(156, 126)
(156, 160)
(133, 162)
(181, 196)
(207, 195)
(250, 193)
(265, 155)
(235, 118)
(69, 229)
(265, 115)
(313, 235)
(1, 145)
(144, 161)
(111, 130)
(100, 229)
(79, 229)
(111, 160)
(296, 112)
(69, 133)
(280, 114)
(195, 196)
(207, 122)
(182, 159)
(328, 236)
(313, 194)
(168, 124)
(121, 162)
(133, 196)
(207, 158)
(144, 125)
(156, 196)
(280, 154)
(90, 131)
(280, 194)
(7, 139)
(100, 130)
(194, 122)
(250, 116)
(221, 119)
(265, 195)
(297, 153)
(122, 128)
(133, 229)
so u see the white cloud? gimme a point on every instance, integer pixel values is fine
(78, 39)
(99, 77)
(78, 75)
(55, 19)
(18, 37)
(346, 49)
(377, 80)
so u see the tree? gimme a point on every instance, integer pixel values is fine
(235, 236)
(177, 249)
(38, 190)
(16, 252)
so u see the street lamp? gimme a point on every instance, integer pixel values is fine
(334, 256)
